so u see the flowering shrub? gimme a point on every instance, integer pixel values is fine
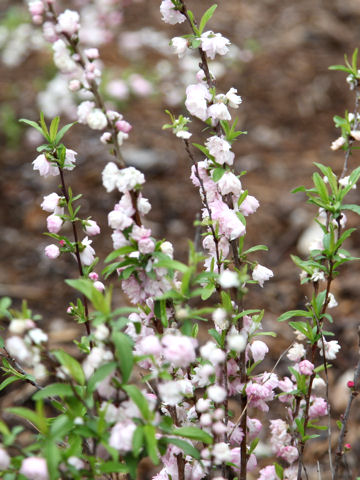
(144, 386)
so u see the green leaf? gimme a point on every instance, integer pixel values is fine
(206, 17)
(160, 312)
(44, 127)
(151, 443)
(53, 458)
(54, 390)
(73, 366)
(293, 313)
(54, 128)
(321, 187)
(123, 350)
(342, 68)
(34, 418)
(217, 173)
(171, 264)
(119, 253)
(353, 208)
(113, 467)
(256, 248)
(62, 132)
(86, 287)
(8, 381)
(185, 446)
(138, 441)
(32, 124)
(193, 433)
(202, 149)
(207, 291)
(279, 471)
(140, 401)
(99, 375)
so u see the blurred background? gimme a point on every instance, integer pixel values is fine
(279, 60)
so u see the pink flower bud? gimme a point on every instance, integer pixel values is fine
(105, 138)
(92, 228)
(350, 384)
(92, 53)
(62, 243)
(36, 7)
(52, 251)
(123, 126)
(306, 367)
(74, 85)
(34, 468)
(93, 276)
(99, 286)
(347, 446)
(54, 223)
(37, 19)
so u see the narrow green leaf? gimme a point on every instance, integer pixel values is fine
(54, 390)
(342, 68)
(185, 446)
(8, 381)
(119, 253)
(73, 366)
(206, 17)
(321, 187)
(99, 375)
(113, 467)
(217, 173)
(353, 208)
(151, 443)
(293, 313)
(32, 124)
(140, 401)
(62, 132)
(37, 420)
(54, 128)
(193, 433)
(123, 350)
(138, 441)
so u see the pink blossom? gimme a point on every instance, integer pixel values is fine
(306, 367)
(140, 233)
(146, 246)
(70, 159)
(196, 100)
(150, 345)
(50, 202)
(123, 126)
(214, 43)
(91, 228)
(54, 223)
(45, 168)
(52, 251)
(4, 459)
(99, 286)
(49, 32)
(92, 53)
(179, 350)
(36, 7)
(296, 352)
(119, 240)
(258, 394)
(216, 393)
(93, 276)
(254, 427)
(219, 111)
(220, 149)
(318, 407)
(251, 463)
(286, 385)
(118, 220)
(68, 22)
(34, 468)
(229, 223)
(87, 255)
(169, 14)
(331, 348)
(121, 436)
(258, 349)
(249, 205)
(261, 274)
(288, 453)
(229, 183)
(83, 111)
(179, 46)
(268, 473)
(233, 99)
